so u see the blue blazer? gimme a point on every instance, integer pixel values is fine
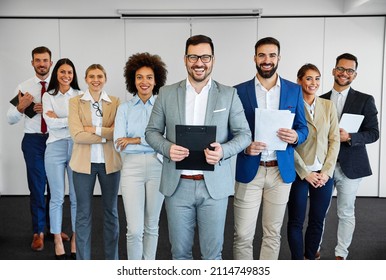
(353, 159)
(291, 98)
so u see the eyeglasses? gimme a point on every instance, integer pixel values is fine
(341, 70)
(205, 58)
(98, 111)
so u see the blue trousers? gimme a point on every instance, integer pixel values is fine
(297, 206)
(84, 189)
(33, 147)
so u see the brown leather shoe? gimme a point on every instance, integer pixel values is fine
(317, 255)
(64, 236)
(38, 242)
(338, 258)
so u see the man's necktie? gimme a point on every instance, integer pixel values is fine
(340, 104)
(43, 126)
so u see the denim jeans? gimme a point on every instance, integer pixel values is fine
(191, 204)
(57, 158)
(140, 180)
(84, 188)
(319, 201)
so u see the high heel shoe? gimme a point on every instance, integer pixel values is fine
(59, 243)
(73, 256)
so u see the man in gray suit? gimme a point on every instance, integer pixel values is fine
(197, 196)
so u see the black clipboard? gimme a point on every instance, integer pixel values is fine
(29, 111)
(196, 138)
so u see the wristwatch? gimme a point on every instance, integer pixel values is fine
(349, 141)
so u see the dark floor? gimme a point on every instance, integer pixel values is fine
(369, 241)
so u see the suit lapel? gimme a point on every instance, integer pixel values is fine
(251, 93)
(212, 100)
(350, 100)
(106, 109)
(181, 97)
(86, 112)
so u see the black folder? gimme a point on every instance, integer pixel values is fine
(195, 138)
(29, 111)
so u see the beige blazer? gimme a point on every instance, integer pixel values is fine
(323, 139)
(79, 117)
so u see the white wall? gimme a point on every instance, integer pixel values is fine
(110, 41)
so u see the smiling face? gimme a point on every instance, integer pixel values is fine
(198, 71)
(267, 60)
(95, 80)
(310, 82)
(342, 80)
(144, 82)
(65, 75)
(42, 64)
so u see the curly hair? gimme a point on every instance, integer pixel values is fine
(139, 60)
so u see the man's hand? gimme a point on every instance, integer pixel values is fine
(287, 135)
(178, 153)
(214, 154)
(255, 148)
(344, 135)
(24, 101)
(38, 108)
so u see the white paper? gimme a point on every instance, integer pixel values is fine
(268, 122)
(351, 122)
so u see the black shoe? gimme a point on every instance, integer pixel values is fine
(73, 256)
(61, 257)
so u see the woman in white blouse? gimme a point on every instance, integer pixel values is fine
(62, 87)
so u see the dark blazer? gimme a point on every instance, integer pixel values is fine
(353, 158)
(291, 98)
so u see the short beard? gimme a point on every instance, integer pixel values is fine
(342, 85)
(265, 74)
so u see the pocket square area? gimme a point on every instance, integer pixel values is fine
(219, 110)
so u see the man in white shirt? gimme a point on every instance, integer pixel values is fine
(30, 109)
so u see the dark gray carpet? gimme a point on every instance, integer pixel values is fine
(369, 242)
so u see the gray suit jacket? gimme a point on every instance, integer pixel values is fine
(224, 110)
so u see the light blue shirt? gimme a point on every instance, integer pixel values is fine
(131, 121)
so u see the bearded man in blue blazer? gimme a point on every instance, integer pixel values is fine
(197, 197)
(353, 162)
(264, 176)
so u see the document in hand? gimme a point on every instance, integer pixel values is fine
(351, 122)
(268, 122)
(29, 111)
(196, 138)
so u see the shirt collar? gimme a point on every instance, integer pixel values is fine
(257, 82)
(208, 84)
(136, 100)
(87, 97)
(343, 92)
(47, 80)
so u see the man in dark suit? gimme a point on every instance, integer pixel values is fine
(263, 175)
(353, 162)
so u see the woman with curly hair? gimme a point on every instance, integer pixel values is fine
(141, 171)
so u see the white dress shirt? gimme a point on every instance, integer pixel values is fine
(339, 100)
(33, 87)
(268, 99)
(195, 108)
(57, 127)
(97, 154)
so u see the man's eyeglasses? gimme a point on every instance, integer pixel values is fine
(341, 70)
(205, 58)
(98, 111)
